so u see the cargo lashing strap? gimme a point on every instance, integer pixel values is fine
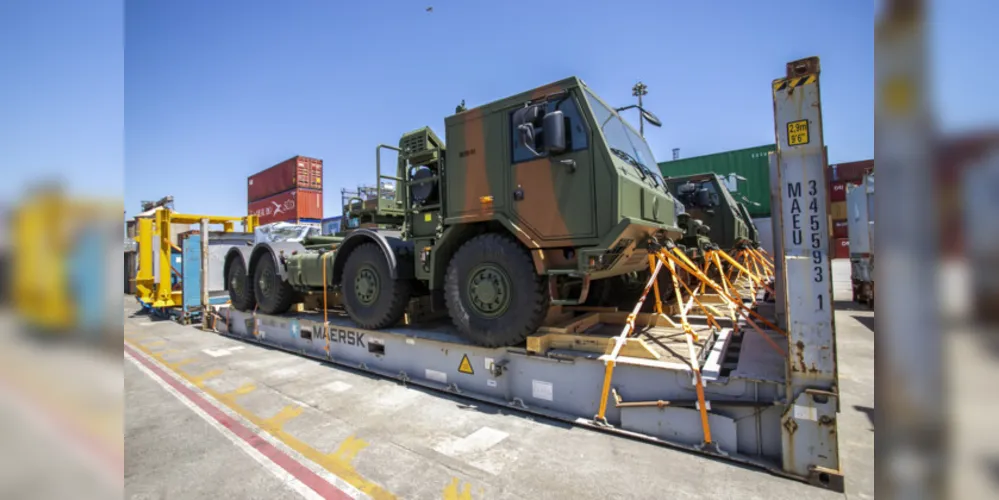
(326, 320)
(656, 265)
(672, 257)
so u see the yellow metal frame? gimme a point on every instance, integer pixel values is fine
(160, 294)
(43, 227)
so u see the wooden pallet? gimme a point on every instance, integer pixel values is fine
(567, 328)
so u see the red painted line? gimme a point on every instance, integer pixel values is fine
(280, 458)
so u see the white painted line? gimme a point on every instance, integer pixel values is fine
(338, 386)
(333, 479)
(478, 441)
(225, 351)
(147, 323)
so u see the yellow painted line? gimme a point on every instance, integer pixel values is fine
(348, 449)
(243, 390)
(199, 381)
(276, 423)
(455, 490)
(176, 364)
(157, 343)
(340, 462)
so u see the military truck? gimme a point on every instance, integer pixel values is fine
(706, 198)
(534, 197)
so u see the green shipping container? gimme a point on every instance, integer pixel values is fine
(751, 163)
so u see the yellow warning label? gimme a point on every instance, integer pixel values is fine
(465, 366)
(427, 217)
(797, 133)
(793, 83)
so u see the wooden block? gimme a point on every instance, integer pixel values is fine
(571, 324)
(590, 309)
(641, 319)
(633, 347)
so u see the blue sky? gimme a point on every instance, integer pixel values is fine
(215, 91)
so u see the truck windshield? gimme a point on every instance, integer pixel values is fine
(623, 140)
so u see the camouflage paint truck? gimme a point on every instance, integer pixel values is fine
(711, 210)
(534, 197)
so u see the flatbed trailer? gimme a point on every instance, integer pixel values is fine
(765, 397)
(652, 399)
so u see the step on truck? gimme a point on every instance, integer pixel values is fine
(534, 197)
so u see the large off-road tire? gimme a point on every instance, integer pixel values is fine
(372, 298)
(274, 295)
(240, 290)
(493, 294)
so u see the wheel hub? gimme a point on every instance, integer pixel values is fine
(265, 281)
(489, 290)
(366, 286)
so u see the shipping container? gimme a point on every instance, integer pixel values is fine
(331, 225)
(837, 210)
(840, 229)
(837, 191)
(853, 171)
(860, 205)
(841, 248)
(294, 173)
(289, 206)
(752, 163)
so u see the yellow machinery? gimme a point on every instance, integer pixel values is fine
(60, 269)
(161, 294)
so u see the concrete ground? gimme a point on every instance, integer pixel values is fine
(211, 417)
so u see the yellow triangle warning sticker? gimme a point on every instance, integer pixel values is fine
(465, 366)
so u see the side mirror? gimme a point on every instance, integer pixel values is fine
(554, 132)
(525, 120)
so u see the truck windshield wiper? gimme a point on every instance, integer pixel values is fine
(631, 160)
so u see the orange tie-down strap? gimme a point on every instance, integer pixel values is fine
(746, 312)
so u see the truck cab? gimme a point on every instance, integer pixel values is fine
(707, 199)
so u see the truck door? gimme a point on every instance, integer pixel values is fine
(553, 198)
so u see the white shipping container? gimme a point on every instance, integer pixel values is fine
(765, 226)
(860, 216)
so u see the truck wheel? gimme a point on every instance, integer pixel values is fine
(240, 293)
(274, 295)
(493, 294)
(372, 298)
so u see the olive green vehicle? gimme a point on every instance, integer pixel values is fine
(534, 197)
(711, 214)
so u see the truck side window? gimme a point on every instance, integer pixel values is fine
(577, 134)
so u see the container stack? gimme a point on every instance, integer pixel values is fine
(291, 191)
(838, 177)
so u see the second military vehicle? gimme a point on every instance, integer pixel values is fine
(706, 199)
(534, 197)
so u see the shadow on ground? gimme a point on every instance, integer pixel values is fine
(866, 410)
(849, 305)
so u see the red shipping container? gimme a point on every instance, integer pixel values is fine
(853, 171)
(841, 248)
(288, 206)
(840, 229)
(293, 173)
(837, 191)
